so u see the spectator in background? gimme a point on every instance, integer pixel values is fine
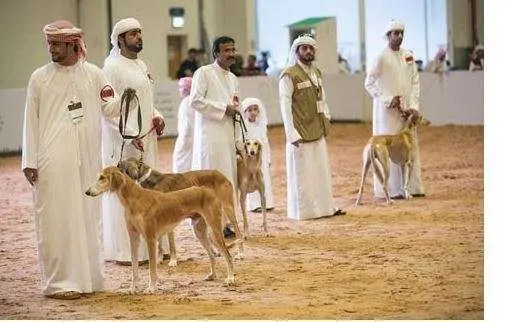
(183, 149)
(263, 61)
(189, 65)
(343, 65)
(438, 64)
(420, 64)
(237, 67)
(477, 59)
(252, 69)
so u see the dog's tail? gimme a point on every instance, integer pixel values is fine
(378, 169)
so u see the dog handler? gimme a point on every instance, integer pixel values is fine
(61, 140)
(124, 69)
(393, 83)
(306, 123)
(215, 97)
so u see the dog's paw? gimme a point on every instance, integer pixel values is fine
(239, 256)
(230, 280)
(172, 262)
(210, 277)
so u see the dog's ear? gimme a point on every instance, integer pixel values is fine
(116, 178)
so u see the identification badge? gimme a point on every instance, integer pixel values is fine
(302, 85)
(75, 110)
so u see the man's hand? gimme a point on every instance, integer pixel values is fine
(395, 103)
(130, 93)
(138, 144)
(159, 123)
(231, 110)
(297, 143)
(31, 175)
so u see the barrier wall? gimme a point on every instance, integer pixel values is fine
(453, 98)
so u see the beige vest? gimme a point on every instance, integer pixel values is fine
(310, 124)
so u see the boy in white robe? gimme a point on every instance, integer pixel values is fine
(257, 128)
(183, 150)
(60, 159)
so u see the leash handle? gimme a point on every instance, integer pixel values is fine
(127, 97)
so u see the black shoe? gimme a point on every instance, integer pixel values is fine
(418, 195)
(228, 232)
(166, 257)
(397, 197)
(339, 212)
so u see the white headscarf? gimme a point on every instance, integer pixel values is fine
(300, 40)
(261, 118)
(119, 28)
(393, 25)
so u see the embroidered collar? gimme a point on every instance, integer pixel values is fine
(145, 176)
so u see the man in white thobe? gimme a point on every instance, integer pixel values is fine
(124, 69)
(182, 155)
(60, 159)
(306, 123)
(393, 82)
(215, 96)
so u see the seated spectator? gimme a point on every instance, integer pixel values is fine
(477, 59)
(438, 64)
(237, 67)
(189, 65)
(252, 69)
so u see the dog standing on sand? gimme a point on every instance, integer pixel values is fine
(250, 179)
(166, 182)
(397, 148)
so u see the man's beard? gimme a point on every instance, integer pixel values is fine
(58, 58)
(135, 48)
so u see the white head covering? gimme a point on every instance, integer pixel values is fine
(393, 25)
(300, 40)
(119, 28)
(261, 118)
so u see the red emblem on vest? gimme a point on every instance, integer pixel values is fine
(106, 92)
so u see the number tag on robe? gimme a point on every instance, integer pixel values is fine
(76, 111)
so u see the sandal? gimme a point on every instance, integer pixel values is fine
(67, 295)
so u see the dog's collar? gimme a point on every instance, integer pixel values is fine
(145, 176)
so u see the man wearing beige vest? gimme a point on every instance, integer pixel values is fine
(306, 123)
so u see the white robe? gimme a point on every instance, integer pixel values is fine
(122, 73)
(392, 75)
(259, 131)
(212, 89)
(183, 150)
(67, 157)
(308, 170)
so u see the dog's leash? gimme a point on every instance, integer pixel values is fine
(127, 97)
(238, 118)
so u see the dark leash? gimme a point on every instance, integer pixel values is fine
(127, 97)
(238, 118)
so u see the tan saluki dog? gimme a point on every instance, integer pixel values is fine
(166, 182)
(399, 148)
(250, 179)
(153, 213)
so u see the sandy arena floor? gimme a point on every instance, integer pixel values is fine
(417, 259)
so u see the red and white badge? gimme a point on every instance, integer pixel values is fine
(409, 59)
(106, 92)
